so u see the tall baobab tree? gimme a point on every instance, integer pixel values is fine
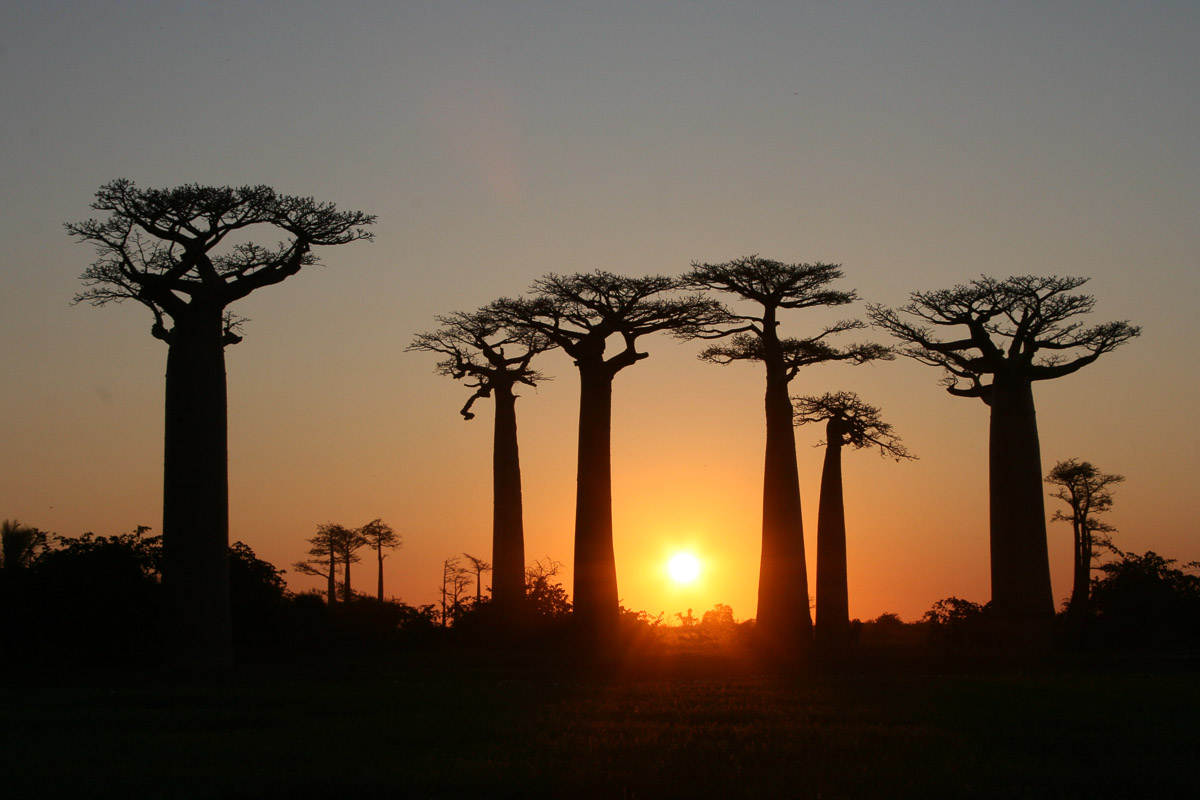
(783, 611)
(849, 422)
(1011, 333)
(493, 360)
(581, 313)
(1087, 491)
(184, 253)
(380, 536)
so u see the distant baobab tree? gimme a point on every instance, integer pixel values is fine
(493, 360)
(477, 568)
(454, 584)
(184, 254)
(1087, 492)
(347, 542)
(327, 549)
(580, 313)
(1013, 332)
(380, 536)
(849, 422)
(783, 599)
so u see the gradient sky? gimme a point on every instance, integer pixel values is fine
(918, 144)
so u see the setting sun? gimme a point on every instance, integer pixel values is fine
(683, 567)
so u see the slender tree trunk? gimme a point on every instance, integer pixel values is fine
(379, 556)
(508, 533)
(332, 588)
(1022, 597)
(346, 595)
(195, 581)
(832, 632)
(1077, 607)
(596, 601)
(783, 618)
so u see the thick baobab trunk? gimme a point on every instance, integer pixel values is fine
(195, 581)
(783, 614)
(1022, 597)
(347, 594)
(832, 631)
(595, 599)
(508, 532)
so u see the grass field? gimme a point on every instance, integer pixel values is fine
(459, 723)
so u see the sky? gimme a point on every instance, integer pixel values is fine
(917, 144)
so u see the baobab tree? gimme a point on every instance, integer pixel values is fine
(1086, 491)
(454, 583)
(493, 360)
(346, 543)
(477, 568)
(323, 556)
(1014, 332)
(581, 313)
(380, 536)
(783, 611)
(849, 422)
(184, 254)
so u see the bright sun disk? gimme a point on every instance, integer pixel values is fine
(683, 567)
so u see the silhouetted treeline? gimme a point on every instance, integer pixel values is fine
(1137, 602)
(98, 598)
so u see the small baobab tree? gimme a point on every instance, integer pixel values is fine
(772, 286)
(347, 542)
(477, 568)
(379, 536)
(455, 580)
(849, 422)
(493, 360)
(322, 560)
(582, 313)
(186, 254)
(1009, 334)
(1087, 492)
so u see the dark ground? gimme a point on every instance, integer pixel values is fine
(673, 723)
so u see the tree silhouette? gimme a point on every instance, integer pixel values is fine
(184, 254)
(783, 609)
(1143, 600)
(493, 360)
(1016, 331)
(454, 583)
(323, 558)
(19, 544)
(378, 535)
(1086, 492)
(477, 568)
(346, 543)
(580, 313)
(849, 422)
(544, 594)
